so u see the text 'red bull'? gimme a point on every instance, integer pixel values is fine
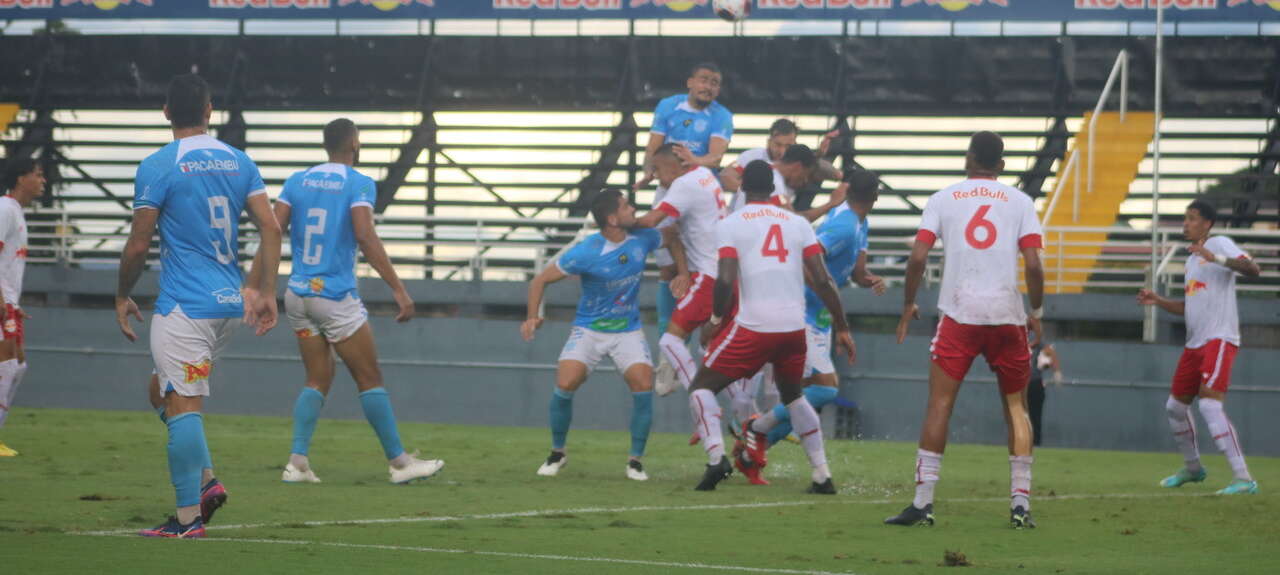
(951, 4)
(269, 4)
(1148, 4)
(819, 4)
(558, 4)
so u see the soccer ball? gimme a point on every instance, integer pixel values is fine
(732, 10)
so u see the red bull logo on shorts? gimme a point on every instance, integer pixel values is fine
(25, 4)
(386, 5)
(269, 4)
(956, 5)
(317, 285)
(558, 4)
(674, 5)
(197, 372)
(106, 4)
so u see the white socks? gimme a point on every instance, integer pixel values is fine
(1224, 436)
(299, 462)
(1183, 427)
(706, 412)
(1020, 481)
(765, 423)
(8, 387)
(804, 420)
(675, 351)
(742, 399)
(928, 465)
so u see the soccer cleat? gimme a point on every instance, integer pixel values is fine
(1239, 487)
(212, 496)
(635, 471)
(664, 380)
(553, 464)
(1020, 518)
(1183, 476)
(754, 443)
(824, 488)
(294, 475)
(415, 470)
(6, 451)
(791, 437)
(171, 529)
(747, 467)
(715, 473)
(912, 516)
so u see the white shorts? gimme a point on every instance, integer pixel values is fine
(335, 320)
(185, 348)
(589, 347)
(818, 357)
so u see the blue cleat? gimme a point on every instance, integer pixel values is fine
(1239, 487)
(171, 529)
(1184, 476)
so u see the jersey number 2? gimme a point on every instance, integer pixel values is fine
(773, 246)
(313, 229)
(979, 221)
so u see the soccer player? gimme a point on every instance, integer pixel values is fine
(843, 237)
(700, 127)
(610, 264)
(1213, 336)
(694, 201)
(766, 253)
(329, 209)
(193, 191)
(782, 137)
(983, 225)
(25, 182)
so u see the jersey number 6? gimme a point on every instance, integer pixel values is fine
(979, 221)
(773, 246)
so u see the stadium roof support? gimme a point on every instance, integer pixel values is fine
(423, 138)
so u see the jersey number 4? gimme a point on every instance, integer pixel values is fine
(979, 222)
(773, 246)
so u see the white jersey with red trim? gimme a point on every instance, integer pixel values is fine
(13, 249)
(1211, 310)
(983, 225)
(770, 244)
(780, 190)
(696, 204)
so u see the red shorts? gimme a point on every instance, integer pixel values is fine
(12, 329)
(1004, 346)
(695, 308)
(1208, 365)
(737, 353)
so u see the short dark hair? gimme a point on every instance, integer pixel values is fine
(708, 66)
(864, 186)
(987, 149)
(783, 127)
(606, 204)
(800, 153)
(757, 178)
(16, 168)
(1205, 209)
(188, 97)
(337, 135)
(668, 149)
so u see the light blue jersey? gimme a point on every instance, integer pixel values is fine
(200, 186)
(843, 236)
(610, 279)
(690, 127)
(320, 229)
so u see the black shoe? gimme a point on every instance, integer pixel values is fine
(913, 516)
(824, 488)
(715, 473)
(1021, 518)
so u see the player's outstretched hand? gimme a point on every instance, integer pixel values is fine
(825, 145)
(878, 285)
(265, 314)
(406, 306)
(529, 326)
(679, 285)
(125, 308)
(844, 341)
(685, 155)
(1146, 297)
(908, 313)
(730, 179)
(1199, 250)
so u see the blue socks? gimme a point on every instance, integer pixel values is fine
(306, 412)
(818, 396)
(641, 420)
(377, 409)
(188, 454)
(561, 417)
(666, 305)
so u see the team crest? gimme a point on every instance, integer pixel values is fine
(623, 259)
(687, 121)
(700, 126)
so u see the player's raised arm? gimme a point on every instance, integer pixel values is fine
(262, 312)
(822, 284)
(376, 254)
(537, 286)
(132, 261)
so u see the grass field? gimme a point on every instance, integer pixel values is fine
(1099, 512)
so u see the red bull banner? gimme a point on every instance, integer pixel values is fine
(955, 10)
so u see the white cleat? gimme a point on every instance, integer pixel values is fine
(415, 470)
(552, 466)
(294, 475)
(665, 378)
(635, 471)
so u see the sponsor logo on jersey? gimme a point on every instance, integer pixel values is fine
(386, 5)
(21, 253)
(270, 4)
(104, 4)
(25, 4)
(207, 165)
(1195, 286)
(197, 372)
(326, 185)
(228, 296)
(317, 285)
(558, 4)
(674, 5)
(956, 5)
(981, 192)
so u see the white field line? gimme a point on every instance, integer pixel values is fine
(610, 560)
(600, 510)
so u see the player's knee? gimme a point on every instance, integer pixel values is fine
(320, 385)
